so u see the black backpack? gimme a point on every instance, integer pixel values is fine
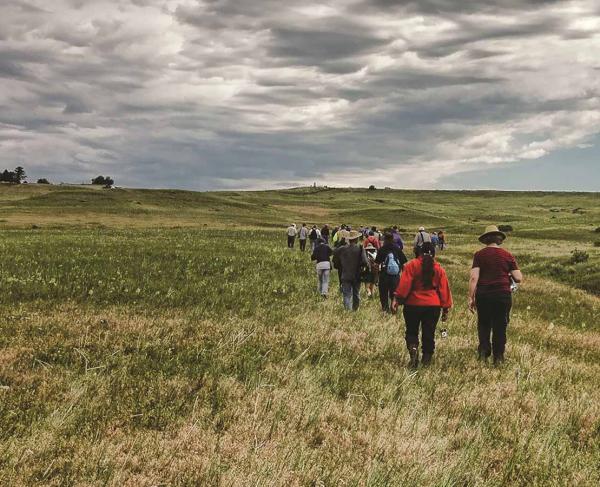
(313, 234)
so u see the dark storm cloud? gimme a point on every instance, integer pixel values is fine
(443, 7)
(310, 46)
(222, 93)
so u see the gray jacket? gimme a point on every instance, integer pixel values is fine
(350, 258)
(421, 238)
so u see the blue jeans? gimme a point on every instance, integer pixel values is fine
(351, 293)
(323, 275)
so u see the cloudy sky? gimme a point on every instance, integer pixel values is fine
(213, 94)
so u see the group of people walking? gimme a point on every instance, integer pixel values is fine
(420, 285)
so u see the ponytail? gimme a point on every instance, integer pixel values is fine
(427, 252)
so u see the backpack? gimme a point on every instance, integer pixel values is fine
(313, 234)
(392, 268)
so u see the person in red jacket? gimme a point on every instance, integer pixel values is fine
(425, 292)
(372, 240)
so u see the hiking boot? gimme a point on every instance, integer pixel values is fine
(427, 358)
(482, 356)
(499, 359)
(414, 357)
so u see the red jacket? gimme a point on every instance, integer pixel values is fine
(410, 288)
(371, 239)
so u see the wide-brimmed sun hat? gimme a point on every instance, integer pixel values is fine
(343, 234)
(353, 235)
(491, 230)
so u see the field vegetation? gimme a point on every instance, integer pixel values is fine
(158, 337)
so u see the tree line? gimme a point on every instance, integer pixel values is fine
(18, 176)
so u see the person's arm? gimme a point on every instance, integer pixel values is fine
(365, 259)
(403, 289)
(336, 259)
(445, 294)
(517, 276)
(473, 280)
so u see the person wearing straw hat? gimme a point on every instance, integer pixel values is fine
(350, 259)
(490, 289)
(340, 241)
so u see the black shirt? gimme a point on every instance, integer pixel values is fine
(322, 253)
(384, 251)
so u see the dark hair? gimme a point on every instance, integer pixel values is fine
(388, 238)
(493, 239)
(427, 251)
(374, 228)
(371, 233)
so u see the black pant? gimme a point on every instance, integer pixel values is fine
(425, 316)
(493, 315)
(291, 241)
(387, 286)
(302, 244)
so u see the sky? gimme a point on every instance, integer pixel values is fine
(260, 94)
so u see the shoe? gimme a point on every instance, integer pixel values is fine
(414, 357)
(427, 357)
(482, 356)
(499, 359)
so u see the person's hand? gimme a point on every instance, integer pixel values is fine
(471, 304)
(394, 305)
(445, 315)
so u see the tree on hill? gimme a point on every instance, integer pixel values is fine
(372, 187)
(14, 177)
(103, 181)
(43, 181)
(20, 174)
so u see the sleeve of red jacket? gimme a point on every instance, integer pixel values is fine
(444, 289)
(405, 284)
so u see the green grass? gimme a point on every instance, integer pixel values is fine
(170, 338)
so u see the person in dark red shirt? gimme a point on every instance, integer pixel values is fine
(425, 293)
(490, 293)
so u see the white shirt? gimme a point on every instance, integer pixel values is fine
(291, 231)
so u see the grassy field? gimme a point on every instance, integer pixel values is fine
(170, 338)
